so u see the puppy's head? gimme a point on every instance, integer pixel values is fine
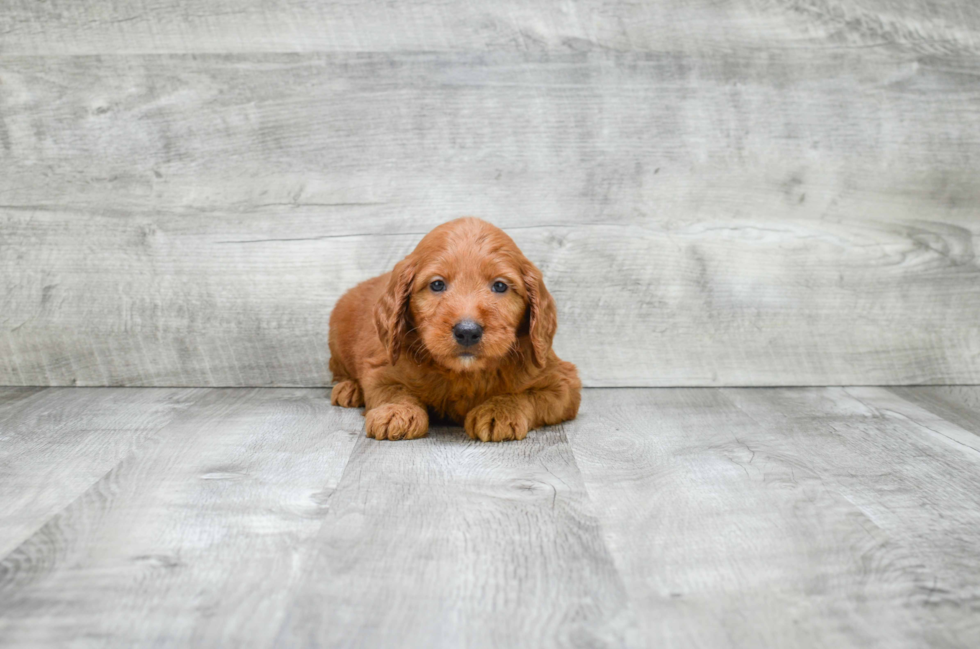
(466, 296)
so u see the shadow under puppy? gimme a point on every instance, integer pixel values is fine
(462, 327)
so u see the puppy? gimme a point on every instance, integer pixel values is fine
(462, 329)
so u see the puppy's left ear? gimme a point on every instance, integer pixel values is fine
(391, 312)
(543, 317)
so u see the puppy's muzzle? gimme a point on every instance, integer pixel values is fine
(467, 333)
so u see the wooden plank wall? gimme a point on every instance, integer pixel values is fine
(735, 192)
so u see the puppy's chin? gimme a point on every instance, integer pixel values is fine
(464, 363)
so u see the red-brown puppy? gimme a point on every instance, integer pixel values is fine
(462, 327)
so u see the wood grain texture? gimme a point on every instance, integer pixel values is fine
(916, 479)
(713, 218)
(817, 517)
(56, 443)
(243, 523)
(957, 404)
(61, 27)
(193, 539)
(447, 542)
(681, 517)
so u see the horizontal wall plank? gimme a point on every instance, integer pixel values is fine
(738, 219)
(171, 26)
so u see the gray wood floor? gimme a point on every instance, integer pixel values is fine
(660, 517)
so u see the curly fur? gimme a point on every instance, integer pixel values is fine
(393, 351)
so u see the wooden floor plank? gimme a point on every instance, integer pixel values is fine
(446, 542)
(835, 517)
(729, 530)
(56, 443)
(957, 404)
(11, 397)
(191, 540)
(916, 479)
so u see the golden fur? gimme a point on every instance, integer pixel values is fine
(393, 351)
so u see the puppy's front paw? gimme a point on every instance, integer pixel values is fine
(396, 421)
(497, 420)
(347, 394)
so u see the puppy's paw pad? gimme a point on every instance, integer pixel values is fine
(497, 422)
(396, 421)
(347, 394)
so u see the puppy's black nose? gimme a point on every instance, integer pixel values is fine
(467, 333)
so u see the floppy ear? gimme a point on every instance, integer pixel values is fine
(543, 314)
(391, 311)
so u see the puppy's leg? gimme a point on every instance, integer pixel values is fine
(501, 418)
(347, 394)
(394, 413)
(552, 398)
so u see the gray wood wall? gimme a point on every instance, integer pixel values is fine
(724, 192)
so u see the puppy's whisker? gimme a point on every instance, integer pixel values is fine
(418, 351)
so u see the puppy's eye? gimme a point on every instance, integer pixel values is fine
(437, 286)
(499, 287)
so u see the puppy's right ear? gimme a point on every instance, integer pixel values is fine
(391, 316)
